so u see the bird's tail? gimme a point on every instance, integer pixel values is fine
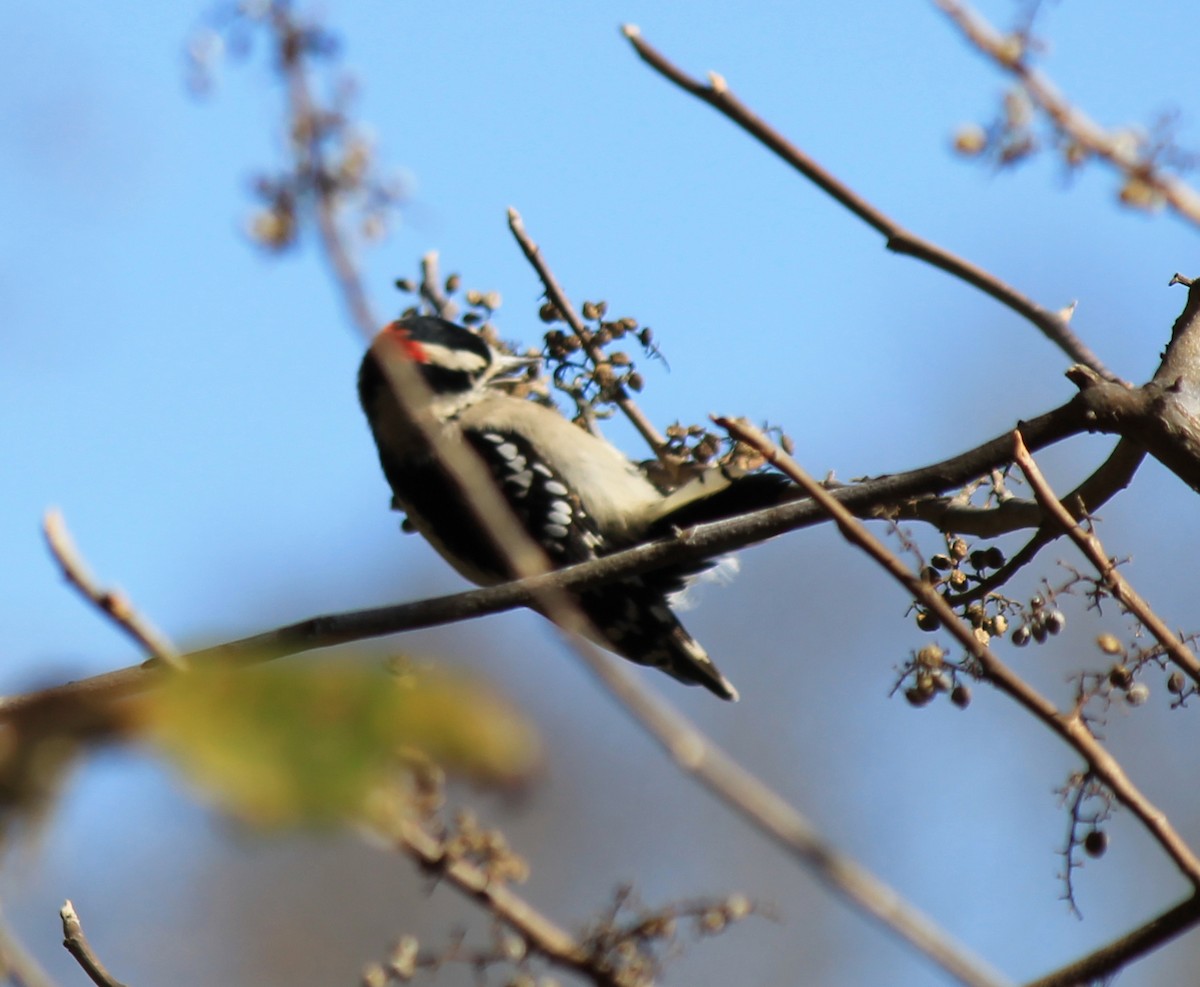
(650, 634)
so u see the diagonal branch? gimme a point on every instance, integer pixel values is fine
(716, 93)
(17, 964)
(1117, 584)
(1070, 726)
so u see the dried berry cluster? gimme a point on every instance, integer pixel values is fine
(1123, 677)
(954, 572)
(1041, 622)
(928, 674)
(581, 363)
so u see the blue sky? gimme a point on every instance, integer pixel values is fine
(188, 402)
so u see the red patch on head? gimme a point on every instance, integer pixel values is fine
(397, 335)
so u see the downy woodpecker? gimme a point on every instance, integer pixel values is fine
(576, 495)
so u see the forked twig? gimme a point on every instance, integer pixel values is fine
(431, 288)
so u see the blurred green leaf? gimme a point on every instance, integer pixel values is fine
(308, 742)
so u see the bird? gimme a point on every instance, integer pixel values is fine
(574, 493)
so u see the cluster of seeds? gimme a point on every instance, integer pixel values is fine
(956, 571)
(582, 363)
(1043, 621)
(929, 675)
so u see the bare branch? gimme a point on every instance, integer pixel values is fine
(1117, 584)
(555, 294)
(869, 499)
(112, 603)
(716, 93)
(1115, 147)
(79, 947)
(1071, 726)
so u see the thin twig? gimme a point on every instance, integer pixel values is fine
(79, 947)
(1009, 53)
(111, 602)
(1117, 584)
(716, 93)
(559, 298)
(1071, 726)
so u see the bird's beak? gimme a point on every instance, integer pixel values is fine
(505, 367)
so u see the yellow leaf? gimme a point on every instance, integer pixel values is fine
(307, 742)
